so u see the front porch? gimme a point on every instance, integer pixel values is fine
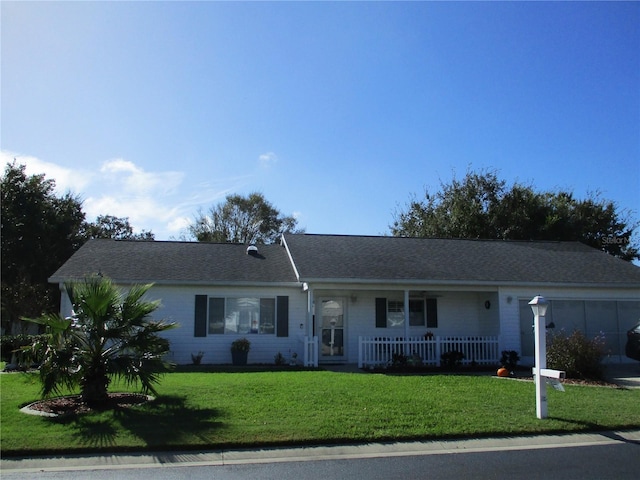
(376, 351)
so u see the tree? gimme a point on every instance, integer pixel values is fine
(239, 219)
(39, 232)
(108, 226)
(482, 206)
(109, 335)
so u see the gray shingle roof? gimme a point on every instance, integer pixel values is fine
(342, 258)
(177, 262)
(351, 258)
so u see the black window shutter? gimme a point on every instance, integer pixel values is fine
(432, 313)
(200, 323)
(381, 313)
(282, 321)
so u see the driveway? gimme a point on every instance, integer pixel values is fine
(624, 374)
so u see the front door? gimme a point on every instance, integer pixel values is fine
(331, 330)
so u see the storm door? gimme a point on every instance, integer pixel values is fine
(332, 330)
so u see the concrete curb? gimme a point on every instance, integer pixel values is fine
(328, 452)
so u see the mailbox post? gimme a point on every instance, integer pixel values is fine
(541, 373)
(539, 306)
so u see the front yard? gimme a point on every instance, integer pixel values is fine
(215, 410)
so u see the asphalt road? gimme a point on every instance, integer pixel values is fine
(607, 455)
(618, 461)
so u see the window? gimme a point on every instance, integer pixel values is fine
(395, 313)
(390, 313)
(242, 315)
(416, 313)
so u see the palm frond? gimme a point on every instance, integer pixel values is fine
(111, 333)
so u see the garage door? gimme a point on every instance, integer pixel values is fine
(609, 317)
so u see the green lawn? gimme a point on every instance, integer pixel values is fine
(214, 410)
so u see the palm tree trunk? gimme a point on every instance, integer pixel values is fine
(94, 387)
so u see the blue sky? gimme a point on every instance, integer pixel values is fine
(336, 112)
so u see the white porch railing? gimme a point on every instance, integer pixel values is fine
(310, 358)
(378, 351)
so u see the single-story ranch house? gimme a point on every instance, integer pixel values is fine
(320, 299)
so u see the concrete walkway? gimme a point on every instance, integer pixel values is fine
(330, 452)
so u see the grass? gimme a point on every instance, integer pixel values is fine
(221, 410)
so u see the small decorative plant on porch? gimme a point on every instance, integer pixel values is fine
(240, 351)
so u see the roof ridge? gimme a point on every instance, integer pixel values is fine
(501, 240)
(180, 242)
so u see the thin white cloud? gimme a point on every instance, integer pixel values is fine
(142, 211)
(268, 159)
(67, 180)
(178, 224)
(134, 179)
(161, 202)
(146, 198)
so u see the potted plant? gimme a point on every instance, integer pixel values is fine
(240, 351)
(294, 359)
(508, 363)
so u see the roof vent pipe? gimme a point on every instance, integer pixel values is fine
(252, 250)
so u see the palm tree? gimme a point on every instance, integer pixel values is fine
(108, 335)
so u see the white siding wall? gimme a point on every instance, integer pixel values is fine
(178, 305)
(509, 320)
(459, 313)
(65, 304)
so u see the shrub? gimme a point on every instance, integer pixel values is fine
(196, 358)
(12, 344)
(279, 359)
(240, 345)
(399, 360)
(509, 359)
(577, 355)
(452, 359)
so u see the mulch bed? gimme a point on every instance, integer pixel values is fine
(570, 381)
(73, 405)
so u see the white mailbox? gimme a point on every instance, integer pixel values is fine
(551, 377)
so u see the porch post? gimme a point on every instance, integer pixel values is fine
(310, 301)
(311, 358)
(406, 323)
